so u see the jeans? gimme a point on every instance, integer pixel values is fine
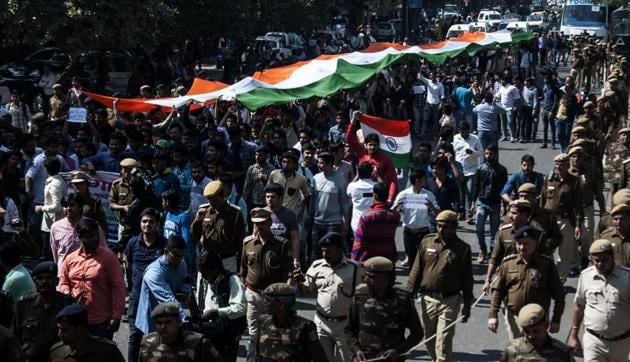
(488, 138)
(508, 124)
(483, 211)
(525, 123)
(135, 337)
(411, 241)
(548, 122)
(430, 118)
(465, 193)
(563, 130)
(101, 330)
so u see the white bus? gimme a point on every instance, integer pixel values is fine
(579, 16)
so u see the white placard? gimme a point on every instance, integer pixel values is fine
(77, 115)
(418, 89)
(595, 8)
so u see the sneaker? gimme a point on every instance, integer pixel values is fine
(553, 147)
(482, 257)
(405, 262)
(503, 138)
(513, 140)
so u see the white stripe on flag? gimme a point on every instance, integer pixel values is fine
(398, 145)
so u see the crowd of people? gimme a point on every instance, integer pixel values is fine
(224, 215)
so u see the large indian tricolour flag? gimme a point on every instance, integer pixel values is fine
(394, 136)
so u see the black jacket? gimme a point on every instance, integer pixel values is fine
(488, 183)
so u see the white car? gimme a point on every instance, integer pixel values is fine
(517, 26)
(385, 31)
(492, 17)
(456, 30)
(480, 26)
(538, 21)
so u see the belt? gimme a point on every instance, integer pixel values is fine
(624, 335)
(332, 318)
(438, 295)
(421, 230)
(251, 287)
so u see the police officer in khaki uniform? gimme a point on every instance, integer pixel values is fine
(592, 189)
(265, 261)
(552, 237)
(526, 277)
(76, 342)
(335, 279)
(619, 234)
(616, 153)
(92, 207)
(536, 344)
(58, 103)
(10, 346)
(442, 273)
(519, 213)
(601, 302)
(171, 343)
(562, 194)
(283, 335)
(220, 226)
(35, 318)
(380, 314)
(621, 197)
(120, 196)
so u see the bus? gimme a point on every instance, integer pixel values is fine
(620, 29)
(579, 16)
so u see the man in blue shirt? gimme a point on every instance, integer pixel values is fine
(181, 169)
(110, 160)
(464, 97)
(165, 280)
(176, 222)
(487, 122)
(163, 179)
(525, 175)
(141, 251)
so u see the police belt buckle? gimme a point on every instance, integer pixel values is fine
(624, 335)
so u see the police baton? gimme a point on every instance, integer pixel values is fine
(424, 341)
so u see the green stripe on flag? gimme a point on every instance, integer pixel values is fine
(400, 160)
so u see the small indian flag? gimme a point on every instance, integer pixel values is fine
(394, 135)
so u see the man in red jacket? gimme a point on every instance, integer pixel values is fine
(384, 170)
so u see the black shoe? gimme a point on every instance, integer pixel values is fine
(553, 147)
(574, 272)
(544, 145)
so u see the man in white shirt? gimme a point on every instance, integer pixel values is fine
(435, 95)
(46, 83)
(360, 193)
(468, 152)
(418, 207)
(508, 96)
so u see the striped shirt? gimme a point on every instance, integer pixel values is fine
(375, 234)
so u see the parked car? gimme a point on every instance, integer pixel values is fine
(480, 26)
(456, 30)
(289, 40)
(538, 21)
(56, 58)
(329, 37)
(517, 26)
(274, 43)
(491, 17)
(385, 31)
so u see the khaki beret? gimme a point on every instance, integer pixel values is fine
(588, 104)
(521, 204)
(78, 177)
(578, 129)
(56, 85)
(213, 189)
(145, 87)
(609, 93)
(530, 315)
(446, 215)
(621, 197)
(601, 99)
(2, 210)
(279, 290)
(582, 121)
(128, 162)
(378, 264)
(260, 214)
(624, 130)
(579, 142)
(576, 149)
(529, 188)
(600, 246)
(165, 309)
(621, 208)
(613, 79)
(563, 157)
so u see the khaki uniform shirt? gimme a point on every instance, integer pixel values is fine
(564, 198)
(57, 107)
(621, 246)
(521, 349)
(296, 341)
(616, 153)
(191, 347)
(120, 194)
(335, 285)
(10, 346)
(264, 264)
(442, 267)
(505, 244)
(36, 325)
(220, 231)
(519, 284)
(98, 350)
(93, 209)
(296, 189)
(625, 174)
(606, 301)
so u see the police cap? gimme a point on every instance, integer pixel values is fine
(165, 309)
(79, 177)
(521, 205)
(128, 162)
(145, 87)
(279, 290)
(378, 264)
(588, 104)
(600, 246)
(529, 188)
(576, 149)
(45, 267)
(619, 209)
(563, 157)
(75, 314)
(446, 215)
(609, 93)
(621, 197)
(332, 238)
(578, 129)
(530, 315)
(214, 188)
(260, 214)
(624, 130)
(527, 231)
